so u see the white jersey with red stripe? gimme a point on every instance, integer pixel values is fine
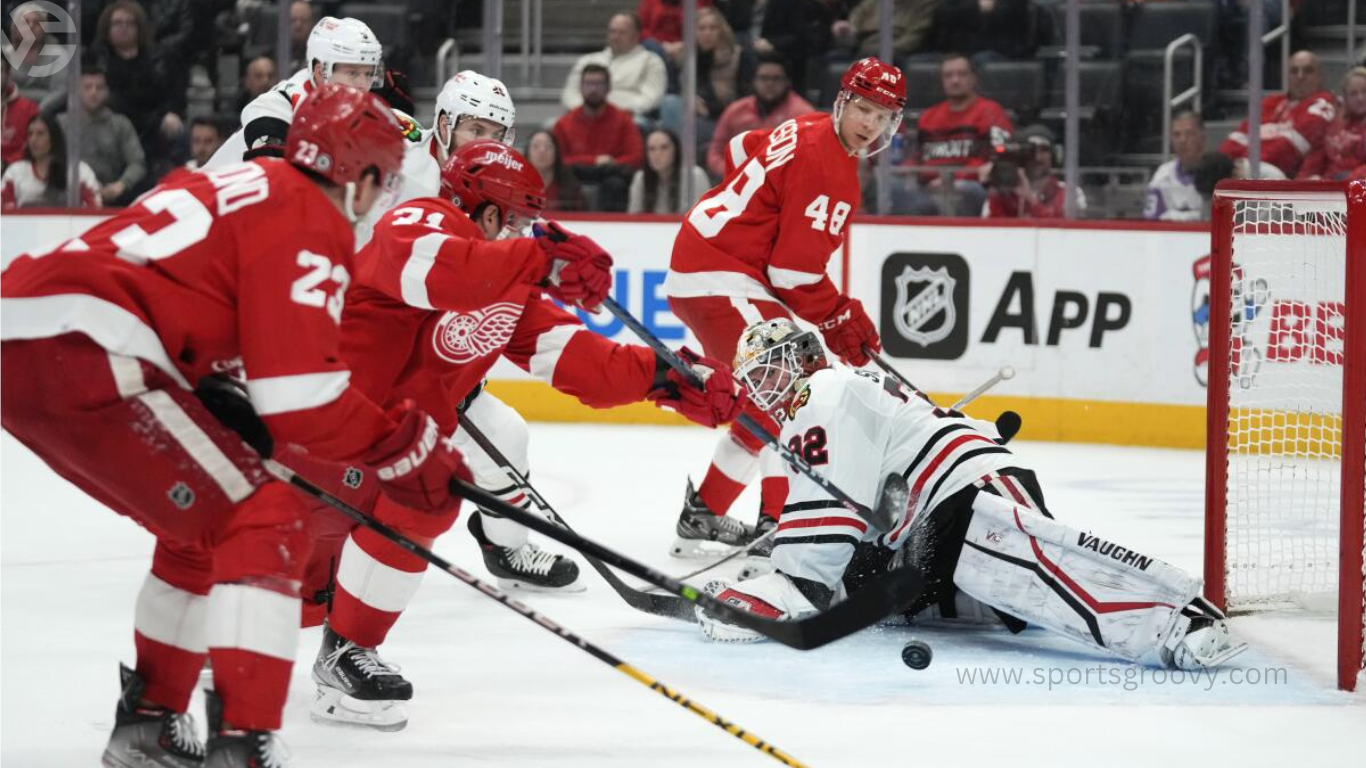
(265, 119)
(855, 427)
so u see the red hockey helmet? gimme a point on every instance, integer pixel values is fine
(488, 171)
(879, 83)
(339, 132)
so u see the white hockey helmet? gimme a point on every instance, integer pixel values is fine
(345, 41)
(470, 94)
(773, 357)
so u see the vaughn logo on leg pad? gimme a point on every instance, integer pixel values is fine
(1115, 551)
(925, 305)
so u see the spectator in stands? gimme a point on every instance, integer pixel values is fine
(1027, 187)
(773, 102)
(257, 78)
(301, 22)
(1343, 153)
(861, 32)
(600, 142)
(1293, 123)
(638, 75)
(138, 88)
(46, 88)
(654, 189)
(562, 190)
(661, 22)
(207, 134)
(38, 179)
(986, 30)
(959, 131)
(725, 72)
(796, 30)
(109, 143)
(18, 111)
(1172, 195)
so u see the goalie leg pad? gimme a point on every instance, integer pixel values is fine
(1093, 590)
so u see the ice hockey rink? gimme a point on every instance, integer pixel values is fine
(493, 689)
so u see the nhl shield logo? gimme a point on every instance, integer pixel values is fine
(924, 312)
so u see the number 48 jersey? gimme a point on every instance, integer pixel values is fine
(768, 230)
(855, 427)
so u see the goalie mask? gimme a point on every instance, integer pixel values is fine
(773, 357)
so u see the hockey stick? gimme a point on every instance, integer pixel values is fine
(881, 523)
(1007, 424)
(288, 475)
(1004, 374)
(659, 605)
(882, 597)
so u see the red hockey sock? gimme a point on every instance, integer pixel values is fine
(375, 581)
(253, 633)
(772, 496)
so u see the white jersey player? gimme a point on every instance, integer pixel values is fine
(975, 520)
(469, 107)
(342, 51)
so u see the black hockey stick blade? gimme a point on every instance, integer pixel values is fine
(1008, 426)
(658, 605)
(863, 609)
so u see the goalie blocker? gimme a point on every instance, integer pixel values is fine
(975, 520)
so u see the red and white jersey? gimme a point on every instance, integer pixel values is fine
(855, 427)
(239, 270)
(21, 187)
(267, 117)
(1343, 152)
(1290, 130)
(436, 304)
(949, 136)
(769, 229)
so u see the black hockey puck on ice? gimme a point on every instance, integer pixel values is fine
(916, 654)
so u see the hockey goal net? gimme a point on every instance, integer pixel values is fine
(1286, 472)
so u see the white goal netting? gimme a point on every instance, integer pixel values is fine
(1285, 398)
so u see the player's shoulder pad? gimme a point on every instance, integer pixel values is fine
(822, 391)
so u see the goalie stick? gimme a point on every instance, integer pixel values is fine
(659, 605)
(887, 594)
(288, 475)
(1007, 424)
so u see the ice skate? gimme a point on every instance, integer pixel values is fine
(357, 687)
(150, 737)
(527, 567)
(705, 534)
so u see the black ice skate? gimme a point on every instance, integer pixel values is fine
(241, 749)
(357, 687)
(705, 534)
(150, 737)
(526, 567)
(758, 562)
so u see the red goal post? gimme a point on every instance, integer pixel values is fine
(1286, 433)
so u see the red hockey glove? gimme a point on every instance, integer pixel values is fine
(716, 403)
(413, 464)
(848, 330)
(580, 270)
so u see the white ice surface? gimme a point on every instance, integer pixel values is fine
(493, 689)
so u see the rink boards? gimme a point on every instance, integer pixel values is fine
(1105, 324)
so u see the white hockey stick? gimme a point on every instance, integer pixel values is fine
(1004, 374)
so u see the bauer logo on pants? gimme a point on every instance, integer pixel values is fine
(925, 305)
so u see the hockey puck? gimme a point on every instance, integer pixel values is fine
(917, 654)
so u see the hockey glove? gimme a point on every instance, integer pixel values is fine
(848, 330)
(227, 400)
(413, 464)
(580, 270)
(717, 402)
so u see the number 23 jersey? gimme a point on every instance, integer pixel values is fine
(768, 230)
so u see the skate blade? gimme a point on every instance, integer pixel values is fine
(699, 549)
(1224, 655)
(575, 586)
(332, 707)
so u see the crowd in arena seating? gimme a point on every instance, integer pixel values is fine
(975, 142)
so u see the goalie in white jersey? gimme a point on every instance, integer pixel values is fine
(975, 520)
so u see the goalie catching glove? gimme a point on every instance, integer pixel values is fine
(580, 270)
(719, 400)
(414, 465)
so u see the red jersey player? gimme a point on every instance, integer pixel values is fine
(757, 246)
(439, 297)
(103, 339)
